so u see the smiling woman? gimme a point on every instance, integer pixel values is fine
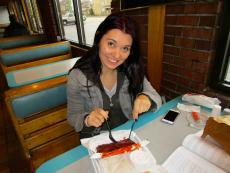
(109, 77)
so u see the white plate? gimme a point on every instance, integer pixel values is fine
(119, 163)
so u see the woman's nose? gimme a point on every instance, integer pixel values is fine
(116, 53)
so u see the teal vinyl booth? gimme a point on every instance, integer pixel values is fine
(21, 41)
(38, 113)
(39, 101)
(32, 53)
(31, 56)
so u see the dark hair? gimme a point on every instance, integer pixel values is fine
(132, 67)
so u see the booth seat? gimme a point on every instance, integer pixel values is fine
(38, 114)
(21, 41)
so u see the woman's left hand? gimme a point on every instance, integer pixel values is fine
(141, 105)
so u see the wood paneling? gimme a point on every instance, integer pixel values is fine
(156, 20)
(4, 2)
(43, 121)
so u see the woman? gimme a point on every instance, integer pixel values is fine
(109, 82)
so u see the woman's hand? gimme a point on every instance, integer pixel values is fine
(96, 117)
(141, 105)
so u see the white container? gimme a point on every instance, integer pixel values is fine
(143, 162)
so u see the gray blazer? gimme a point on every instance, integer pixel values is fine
(80, 104)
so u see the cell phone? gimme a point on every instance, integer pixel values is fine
(171, 116)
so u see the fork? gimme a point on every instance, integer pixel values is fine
(132, 128)
(110, 133)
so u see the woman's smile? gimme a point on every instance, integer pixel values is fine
(113, 61)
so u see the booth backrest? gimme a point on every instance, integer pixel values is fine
(21, 55)
(21, 41)
(39, 101)
(37, 97)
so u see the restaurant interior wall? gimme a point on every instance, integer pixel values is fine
(189, 46)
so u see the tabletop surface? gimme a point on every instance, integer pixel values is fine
(164, 139)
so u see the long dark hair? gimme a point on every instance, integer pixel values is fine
(90, 63)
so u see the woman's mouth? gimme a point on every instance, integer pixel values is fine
(113, 61)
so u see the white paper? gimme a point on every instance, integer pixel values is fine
(184, 161)
(119, 163)
(197, 155)
(208, 149)
(200, 99)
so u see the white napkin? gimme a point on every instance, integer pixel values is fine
(201, 100)
(188, 108)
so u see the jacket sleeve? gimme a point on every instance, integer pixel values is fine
(152, 94)
(75, 102)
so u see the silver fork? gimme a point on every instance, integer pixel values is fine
(110, 133)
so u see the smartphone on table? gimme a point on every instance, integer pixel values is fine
(170, 116)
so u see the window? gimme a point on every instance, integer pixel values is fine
(27, 13)
(33, 15)
(221, 70)
(79, 19)
(4, 16)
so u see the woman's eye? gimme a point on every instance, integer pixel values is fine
(111, 44)
(126, 49)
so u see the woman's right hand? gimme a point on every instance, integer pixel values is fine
(96, 117)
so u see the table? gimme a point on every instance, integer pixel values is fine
(38, 73)
(164, 139)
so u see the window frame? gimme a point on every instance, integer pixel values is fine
(222, 55)
(78, 22)
(33, 16)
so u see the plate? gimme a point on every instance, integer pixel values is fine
(119, 163)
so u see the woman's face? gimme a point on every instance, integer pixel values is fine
(114, 48)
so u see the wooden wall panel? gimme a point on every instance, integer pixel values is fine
(156, 20)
